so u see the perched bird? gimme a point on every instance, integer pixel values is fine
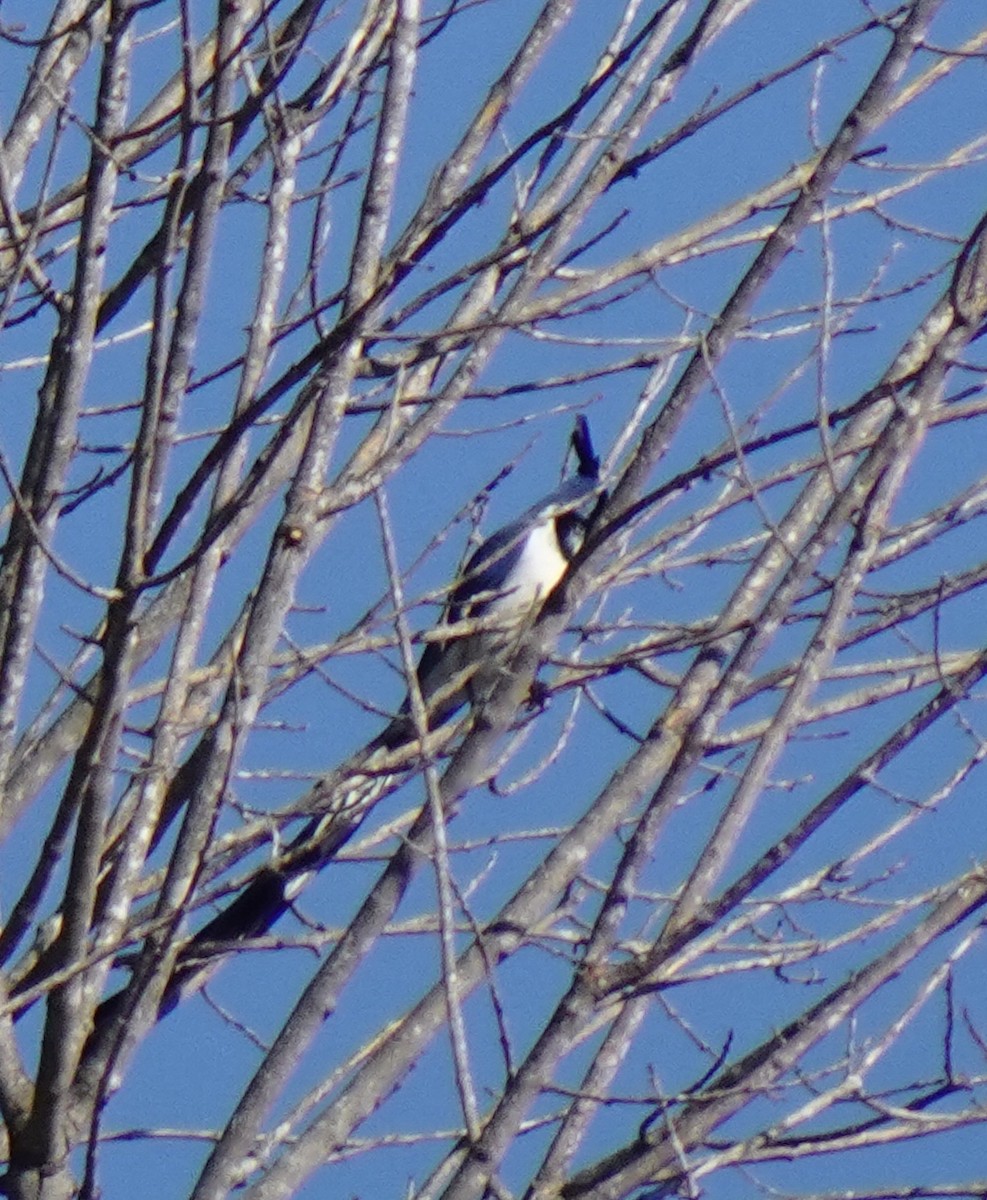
(502, 587)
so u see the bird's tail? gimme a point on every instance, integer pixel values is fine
(343, 804)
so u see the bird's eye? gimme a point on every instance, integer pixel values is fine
(571, 531)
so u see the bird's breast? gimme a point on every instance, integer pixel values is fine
(539, 567)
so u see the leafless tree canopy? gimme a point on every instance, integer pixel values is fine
(300, 299)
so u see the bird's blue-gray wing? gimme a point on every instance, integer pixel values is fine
(487, 569)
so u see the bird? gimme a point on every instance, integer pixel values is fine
(500, 590)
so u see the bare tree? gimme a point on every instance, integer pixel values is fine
(688, 899)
